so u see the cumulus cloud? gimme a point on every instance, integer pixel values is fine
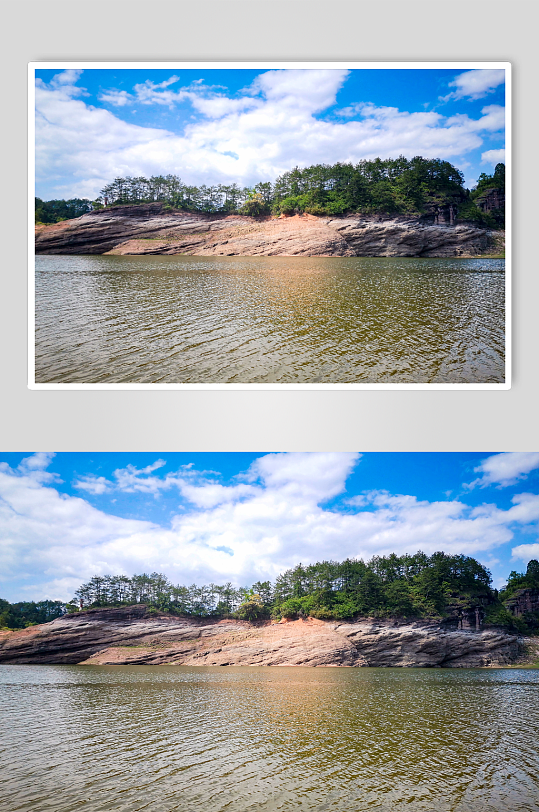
(44, 531)
(150, 93)
(525, 552)
(36, 467)
(119, 98)
(93, 484)
(493, 156)
(270, 127)
(505, 469)
(474, 84)
(271, 518)
(88, 143)
(140, 480)
(65, 84)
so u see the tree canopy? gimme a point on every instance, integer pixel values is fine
(407, 585)
(386, 585)
(29, 613)
(522, 580)
(54, 211)
(418, 186)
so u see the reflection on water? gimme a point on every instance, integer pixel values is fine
(177, 739)
(268, 320)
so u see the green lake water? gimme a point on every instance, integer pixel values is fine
(179, 739)
(181, 319)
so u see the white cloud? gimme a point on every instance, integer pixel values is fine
(492, 118)
(525, 552)
(219, 106)
(493, 156)
(505, 469)
(132, 479)
(65, 83)
(88, 143)
(199, 94)
(253, 529)
(119, 98)
(36, 466)
(474, 84)
(313, 90)
(212, 494)
(351, 110)
(140, 480)
(93, 484)
(314, 476)
(149, 93)
(268, 130)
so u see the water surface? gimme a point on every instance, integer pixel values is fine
(178, 739)
(182, 319)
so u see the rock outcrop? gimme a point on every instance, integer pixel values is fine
(133, 636)
(523, 601)
(149, 229)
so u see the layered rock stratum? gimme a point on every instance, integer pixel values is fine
(149, 229)
(134, 636)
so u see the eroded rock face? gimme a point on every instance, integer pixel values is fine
(147, 229)
(131, 636)
(523, 601)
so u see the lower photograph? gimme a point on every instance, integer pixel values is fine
(235, 632)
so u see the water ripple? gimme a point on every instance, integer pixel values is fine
(174, 739)
(268, 320)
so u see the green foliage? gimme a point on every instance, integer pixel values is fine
(394, 185)
(521, 580)
(378, 186)
(289, 206)
(155, 590)
(409, 585)
(470, 213)
(532, 573)
(253, 609)
(29, 613)
(485, 184)
(391, 186)
(255, 205)
(53, 211)
(528, 623)
(498, 615)
(291, 608)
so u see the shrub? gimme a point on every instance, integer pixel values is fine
(255, 206)
(252, 609)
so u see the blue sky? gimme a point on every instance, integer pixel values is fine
(224, 126)
(243, 517)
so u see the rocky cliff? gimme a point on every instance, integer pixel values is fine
(523, 601)
(149, 229)
(133, 636)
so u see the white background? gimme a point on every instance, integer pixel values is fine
(161, 30)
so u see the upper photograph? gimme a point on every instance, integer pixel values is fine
(269, 225)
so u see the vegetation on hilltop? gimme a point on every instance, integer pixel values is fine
(28, 613)
(53, 211)
(388, 187)
(485, 184)
(529, 621)
(419, 586)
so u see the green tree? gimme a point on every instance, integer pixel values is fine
(532, 572)
(255, 205)
(253, 608)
